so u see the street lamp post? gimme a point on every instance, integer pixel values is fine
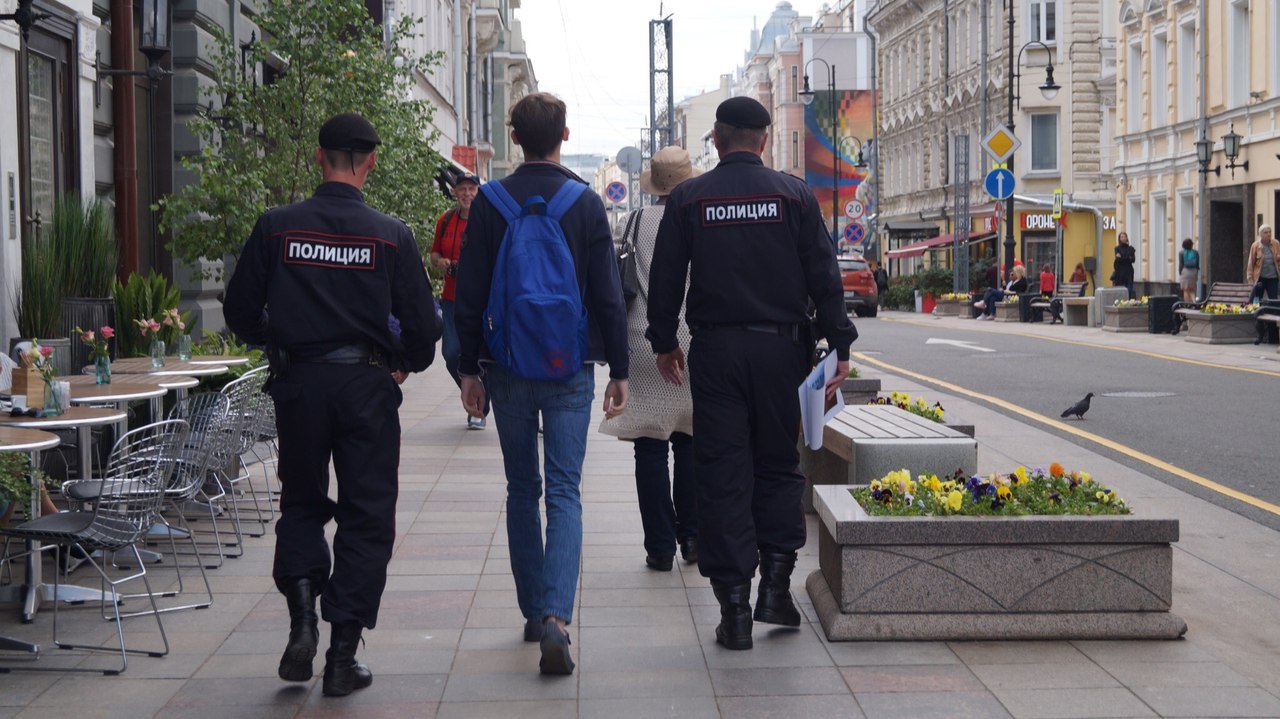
(1049, 90)
(807, 96)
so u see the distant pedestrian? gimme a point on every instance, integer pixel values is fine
(881, 277)
(993, 275)
(1264, 262)
(445, 250)
(1188, 270)
(556, 210)
(1126, 255)
(751, 244)
(659, 416)
(1047, 281)
(1079, 274)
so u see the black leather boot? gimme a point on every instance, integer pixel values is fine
(304, 632)
(342, 673)
(774, 605)
(734, 631)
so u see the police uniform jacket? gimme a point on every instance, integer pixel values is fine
(326, 273)
(758, 250)
(586, 229)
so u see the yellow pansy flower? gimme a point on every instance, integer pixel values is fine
(1021, 474)
(954, 500)
(933, 484)
(1004, 493)
(1104, 497)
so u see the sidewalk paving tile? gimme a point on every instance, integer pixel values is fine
(818, 706)
(1210, 701)
(917, 678)
(523, 709)
(632, 683)
(1064, 675)
(930, 705)
(1072, 703)
(776, 681)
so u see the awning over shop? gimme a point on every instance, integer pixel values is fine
(916, 249)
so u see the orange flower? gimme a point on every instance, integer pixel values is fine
(1056, 470)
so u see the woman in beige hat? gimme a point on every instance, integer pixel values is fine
(659, 416)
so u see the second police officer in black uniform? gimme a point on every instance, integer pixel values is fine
(755, 242)
(316, 282)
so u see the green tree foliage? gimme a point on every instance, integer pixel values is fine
(322, 57)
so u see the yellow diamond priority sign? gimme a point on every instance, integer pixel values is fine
(1001, 143)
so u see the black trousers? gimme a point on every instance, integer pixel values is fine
(347, 413)
(746, 422)
(667, 499)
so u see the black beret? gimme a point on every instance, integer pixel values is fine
(743, 112)
(349, 131)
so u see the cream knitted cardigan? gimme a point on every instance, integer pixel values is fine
(655, 407)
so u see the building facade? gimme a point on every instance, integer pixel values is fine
(943, 71)
(1189, 71)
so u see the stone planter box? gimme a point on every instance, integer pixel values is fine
(859, 390)
(1008, 312)
(1125, 319)
(991, 578)
(947, 308)
(1220, 329)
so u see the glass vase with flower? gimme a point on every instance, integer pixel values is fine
(99, 350)
(172, 318)
(40, 358)
(149, 327)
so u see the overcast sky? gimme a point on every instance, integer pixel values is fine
(594, 54)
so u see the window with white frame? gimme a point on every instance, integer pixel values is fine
(1133, 97)
(1043, 21)
(1044, 141)
(1238, 60)
(1158, 243)
(1186, 217)
(1133, 226)
(1188, 69)
(1110, 16)
(1159, 78)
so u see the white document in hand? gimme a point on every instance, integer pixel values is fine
(815, 409)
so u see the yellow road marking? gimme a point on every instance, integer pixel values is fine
(1069, 429)
(1081, 343)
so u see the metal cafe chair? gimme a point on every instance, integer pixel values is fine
(122, 508)
(248, 401)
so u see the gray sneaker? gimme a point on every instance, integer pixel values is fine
(475, 422)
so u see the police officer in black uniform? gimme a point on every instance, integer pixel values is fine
(755, 243)
(316, 282)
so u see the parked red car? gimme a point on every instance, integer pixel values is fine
(860, 294)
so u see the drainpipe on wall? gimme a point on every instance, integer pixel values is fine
(124, 151)
(459, 98)
(1097, 218)
(1205, 244)
(473, 82)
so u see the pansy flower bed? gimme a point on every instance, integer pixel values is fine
(916, 406)
(1021, 492)
(1139, 302)
(1221, 308)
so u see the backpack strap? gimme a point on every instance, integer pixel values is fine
(564, 198)
(502, 200)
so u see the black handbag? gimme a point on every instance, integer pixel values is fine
(628, 272)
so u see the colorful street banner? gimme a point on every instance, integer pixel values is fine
(853, 128)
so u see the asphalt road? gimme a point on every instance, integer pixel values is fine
(1217, 423)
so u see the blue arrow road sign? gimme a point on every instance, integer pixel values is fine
(616, 191)
(999, 184)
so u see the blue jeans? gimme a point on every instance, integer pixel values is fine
(546, 577)
(668, 503)
(449, 347)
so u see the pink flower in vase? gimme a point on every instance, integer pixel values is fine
(107, 333)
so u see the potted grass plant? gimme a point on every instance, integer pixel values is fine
(83, 237)
(37, 305)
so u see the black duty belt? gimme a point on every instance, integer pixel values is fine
(347, 354)
(790, 331)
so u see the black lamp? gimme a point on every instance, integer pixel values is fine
(1204, 155)
(156, 23)
(1231, 148)
(1049, 89)
(25, 16)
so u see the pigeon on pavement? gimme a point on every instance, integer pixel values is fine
(1079, 408)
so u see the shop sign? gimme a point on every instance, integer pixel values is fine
(1108, 222)
(1038, 221)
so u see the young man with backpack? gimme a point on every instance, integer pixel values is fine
(538, 304)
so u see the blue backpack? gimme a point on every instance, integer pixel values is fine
(536, 322)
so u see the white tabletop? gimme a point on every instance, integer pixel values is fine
(142, 365)
(123, 391)
(73, 417)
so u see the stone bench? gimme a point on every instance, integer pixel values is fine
(1078, 311)
(866, 442)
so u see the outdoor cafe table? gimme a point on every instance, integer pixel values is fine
(228, 360)
(117, 394)
(81, 419)
(142, 365)
(32, 442)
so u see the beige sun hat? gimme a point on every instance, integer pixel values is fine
(670, 166)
